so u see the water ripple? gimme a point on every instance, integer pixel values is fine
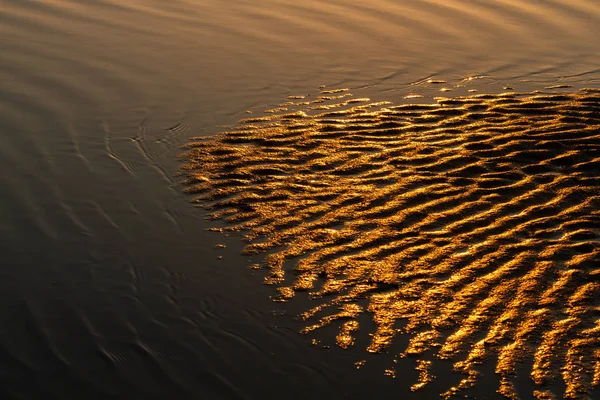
(470, 225)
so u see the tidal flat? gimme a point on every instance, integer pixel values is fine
(471, 225)
(437, 238)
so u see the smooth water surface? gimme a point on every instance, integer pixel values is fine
(112, 286)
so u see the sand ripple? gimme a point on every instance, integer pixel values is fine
(471, 225)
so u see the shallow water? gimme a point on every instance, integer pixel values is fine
(469, 226)
(113, 286)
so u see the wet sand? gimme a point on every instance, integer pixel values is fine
(470, 226)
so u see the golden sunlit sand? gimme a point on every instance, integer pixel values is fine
(471, 225)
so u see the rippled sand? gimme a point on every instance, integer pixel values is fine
(471, 225)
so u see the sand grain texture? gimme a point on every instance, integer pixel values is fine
(471, 225)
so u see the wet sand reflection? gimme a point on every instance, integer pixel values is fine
(471, 225)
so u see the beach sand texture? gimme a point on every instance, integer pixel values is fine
(471, 225)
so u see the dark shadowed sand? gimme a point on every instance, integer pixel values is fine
(470, 226)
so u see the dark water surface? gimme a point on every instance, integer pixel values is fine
(111, 284)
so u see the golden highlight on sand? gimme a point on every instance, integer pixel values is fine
(471, 225)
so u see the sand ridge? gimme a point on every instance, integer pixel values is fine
(471, 225)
